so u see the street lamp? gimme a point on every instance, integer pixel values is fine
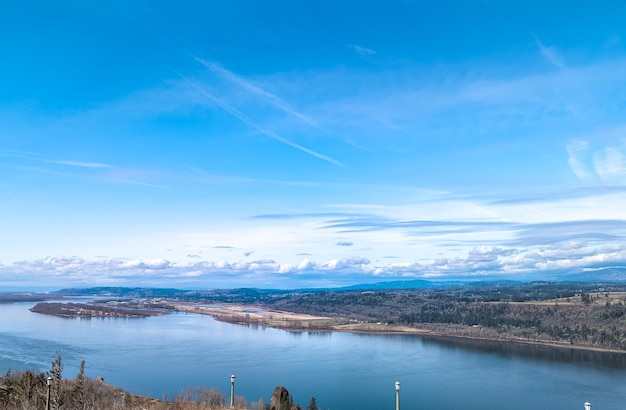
(49, 383)
(232, 391)
(587, 405)
(397, 395)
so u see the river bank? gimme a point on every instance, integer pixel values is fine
(298, 322)
(260, 315)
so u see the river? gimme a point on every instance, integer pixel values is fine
(166, 354)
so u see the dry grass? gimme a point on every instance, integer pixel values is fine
(597, 298)
(253, 315)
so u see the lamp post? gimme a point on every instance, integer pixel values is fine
(587, 405)
(397, 395)
(232, 391)
(49, 383)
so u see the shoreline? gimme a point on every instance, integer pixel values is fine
(296, 322)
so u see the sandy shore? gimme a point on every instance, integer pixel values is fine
(246, 312)
(297, 322)
(255, 315)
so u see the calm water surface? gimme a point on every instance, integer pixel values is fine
(343, 371)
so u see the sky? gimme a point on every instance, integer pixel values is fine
(293, 144)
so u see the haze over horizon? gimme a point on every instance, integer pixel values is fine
(309, 144)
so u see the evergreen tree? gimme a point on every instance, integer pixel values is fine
(78, 392)
(28, 389)
(312, 404)
(6, 388)
(56, 392)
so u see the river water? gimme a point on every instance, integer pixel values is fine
(166, 354)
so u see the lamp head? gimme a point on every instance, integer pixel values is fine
(397, 386)
(232, 378)
(49, 381)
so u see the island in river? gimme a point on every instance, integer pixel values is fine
(89, 310)
(564, 314)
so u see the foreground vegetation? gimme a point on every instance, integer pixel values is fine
(27, 390)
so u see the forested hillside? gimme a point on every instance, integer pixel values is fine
(589, 315)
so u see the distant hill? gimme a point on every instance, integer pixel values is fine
(613, 274)
(121, 292)
(130, 292)
(400, 284)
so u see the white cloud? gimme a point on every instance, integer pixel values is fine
(352, 263)
(481, 261)
(305, 265)
(285, 268)
(146, 264)
(604, 258)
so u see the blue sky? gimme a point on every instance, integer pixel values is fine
(309, 143)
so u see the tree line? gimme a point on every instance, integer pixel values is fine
(578, 314)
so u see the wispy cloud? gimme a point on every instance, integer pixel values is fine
(362, 51)
(248, 121)
(591, 230)
(313, 215)
(38, 158)
(141, 183)
(96, 171)
(38, 170)
(561, 194)
(255, 90)
(82, 164)
(607, 164)
(227, 179)
(576, 151)
(379, 223)
(354, 144)
(550, 54)
(344, 243)
(132, 176)
(476, 102)
(610, 163)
